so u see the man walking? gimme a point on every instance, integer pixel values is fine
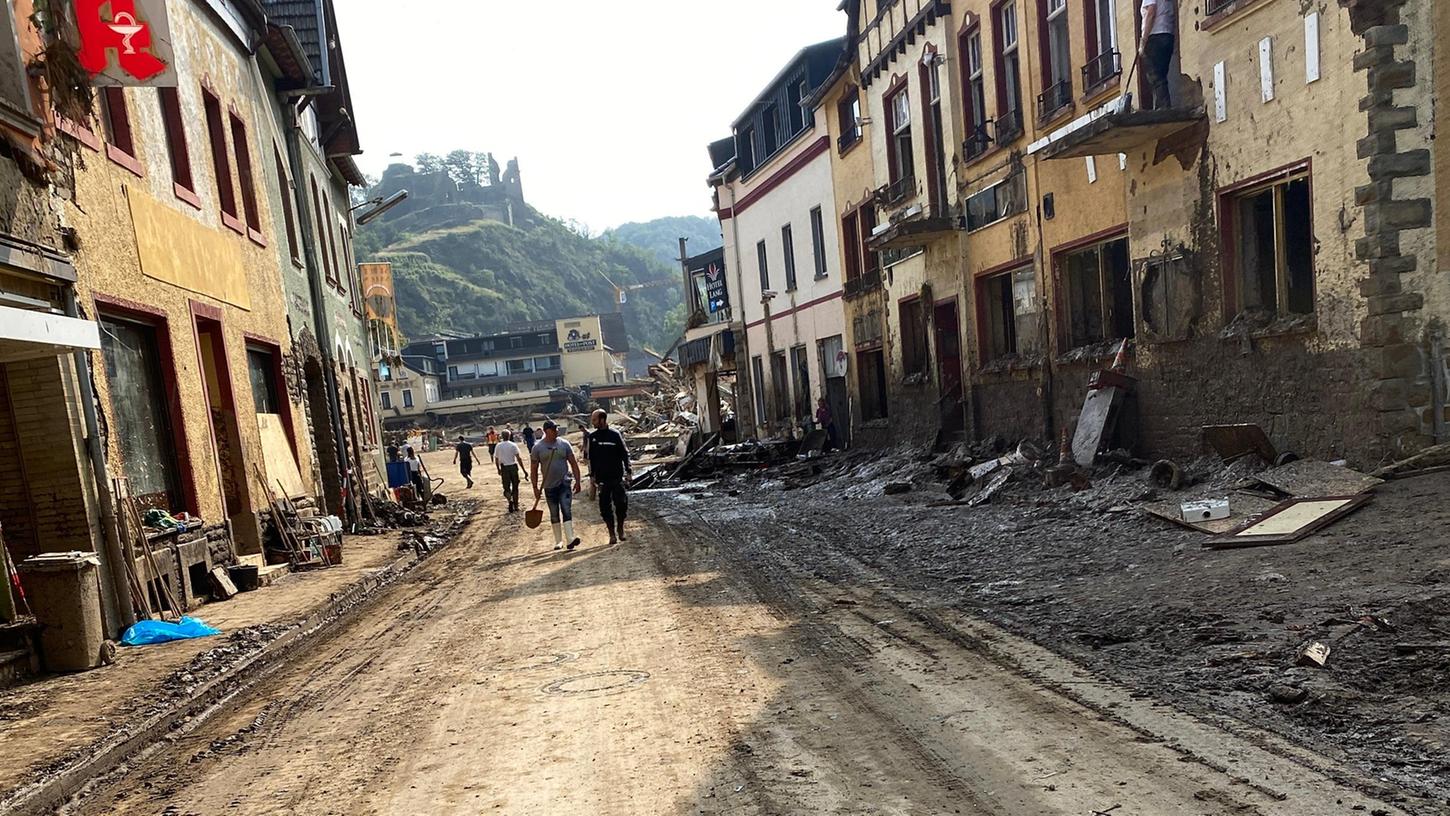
(492, 439)
(528, 436)
(555, 457)
(464, 457)
(1156, 46)
(609, 468)
(827, 423)
(507, 457)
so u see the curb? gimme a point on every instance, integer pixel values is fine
(45, 796)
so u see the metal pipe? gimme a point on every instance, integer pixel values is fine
(123, 612)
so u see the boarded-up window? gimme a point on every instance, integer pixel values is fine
(141, 405)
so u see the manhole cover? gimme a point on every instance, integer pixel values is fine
(535, 662)
(597, 683)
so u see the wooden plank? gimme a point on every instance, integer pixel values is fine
(222, 583)
(1306, 478)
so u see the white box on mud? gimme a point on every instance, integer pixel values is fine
(1205, 510)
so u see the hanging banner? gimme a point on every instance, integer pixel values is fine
(125, 42)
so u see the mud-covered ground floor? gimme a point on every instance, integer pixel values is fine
(752, 650)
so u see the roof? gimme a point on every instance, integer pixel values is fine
(314, 24)
(811, 54)
(306, 18)
(847, 58)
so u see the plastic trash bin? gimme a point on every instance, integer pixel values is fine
(66, 598)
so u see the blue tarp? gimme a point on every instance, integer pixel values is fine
(144, 633)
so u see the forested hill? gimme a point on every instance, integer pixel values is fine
(459, 265)
(662, 236)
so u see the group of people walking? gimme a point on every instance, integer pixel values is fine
(555, 474)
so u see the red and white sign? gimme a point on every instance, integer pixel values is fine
(125, 42)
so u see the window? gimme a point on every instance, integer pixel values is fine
(1008, 64)
(329, 236)
(801, 370)
(871, 260)
(262, 370)
(760, 258)
(1099, 295)
(787, 247)
(407, 398)
(780, 385)
(769, 131)
(1101, 32)
(116, 121)
(216, 133)
(244, 175)
(141, 404)
(1003, 199)
(758, 375)
(14, 88)
(913, 337)
(1056, 60)
(516, 342)
(430, 391)
(1271, 247)
(851, 243)
(387, 399)
(176, 151)
(818, 242)
(848, 118)
(974, 96)
(328, 272)
(1009, 314)
(871, 380)
(745, 149)
(934, 131)
(898, 151)
(287, 215)
(795, 115)
(519, 366)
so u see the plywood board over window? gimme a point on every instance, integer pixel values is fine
(174, 248)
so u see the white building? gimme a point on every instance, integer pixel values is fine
(776, 206)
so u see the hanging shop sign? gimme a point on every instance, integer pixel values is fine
(125, 42)
(715, 289)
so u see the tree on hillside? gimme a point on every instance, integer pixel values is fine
(467, 167)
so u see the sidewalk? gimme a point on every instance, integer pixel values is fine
(53, 721)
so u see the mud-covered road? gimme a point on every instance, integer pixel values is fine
(697, 669)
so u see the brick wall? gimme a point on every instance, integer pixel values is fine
(42, 417)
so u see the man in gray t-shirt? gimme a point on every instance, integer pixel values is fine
(555, 458)
(1156, 47)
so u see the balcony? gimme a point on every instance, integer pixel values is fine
(1054, 100)
(1116, 128)
(896, 192)
(979, 142)
(1008, 127)
(848, 140)
(914, 232)
(863, 284)
(1101, 70)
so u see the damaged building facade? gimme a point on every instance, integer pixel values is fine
(706, 351)
(773, 196)
(156, 213)
(1266, 242)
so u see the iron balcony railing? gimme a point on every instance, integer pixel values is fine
(1008, 127)
(1054, 99)
(896, 191)
(863, 283)
(979, 141)
(1102, 68)
(845, 140)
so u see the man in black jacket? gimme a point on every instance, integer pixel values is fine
(610, 469)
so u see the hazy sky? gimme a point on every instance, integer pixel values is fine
(609, 106)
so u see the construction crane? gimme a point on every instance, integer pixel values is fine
(621, 293)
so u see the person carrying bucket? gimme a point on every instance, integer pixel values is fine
(555, 458)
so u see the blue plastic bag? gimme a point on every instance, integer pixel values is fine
(144, 633)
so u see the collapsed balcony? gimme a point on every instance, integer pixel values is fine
(1117, 129)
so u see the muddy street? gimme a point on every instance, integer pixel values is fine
(690, 672)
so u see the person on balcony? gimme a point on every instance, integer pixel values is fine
(1156, 46)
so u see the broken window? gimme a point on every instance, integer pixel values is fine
(787, 246)
(1272, 247)
(262, 371)
(913, 337)
(899, 153)
(801, 371)
(140, 401)
(780, 385)
(757, 370)
(1099, 296)
(1010, 314)
(1005, 198)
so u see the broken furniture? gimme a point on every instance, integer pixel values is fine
(1290, 521)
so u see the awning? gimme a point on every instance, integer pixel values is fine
(26, 334)
(1121, 132)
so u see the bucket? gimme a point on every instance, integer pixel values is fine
(246, 577)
